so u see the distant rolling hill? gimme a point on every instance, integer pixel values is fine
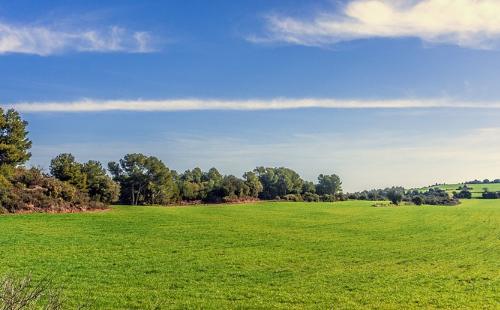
(476, 189)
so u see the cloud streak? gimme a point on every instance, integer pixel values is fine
(90, 105)
(466, 23)
(46, 40)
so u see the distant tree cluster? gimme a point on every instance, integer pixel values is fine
(490, 195)
(284, 183)
(378, 194)
(398, 195)
(146, 180)
(485, 181)
(433, 196)
(464, 193)
(89, 177)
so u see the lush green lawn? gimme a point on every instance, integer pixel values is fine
(477, 189)
(284, 255)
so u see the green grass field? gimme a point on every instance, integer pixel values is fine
(477, 189)
(265, 255)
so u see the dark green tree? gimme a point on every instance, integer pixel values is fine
(100, 186)
(65, 168)
(308, 187)
(14, 142)
(190, 185)
(213, 178)
(278, 182)
(198, 185)
(233, 187)
(189, 190)
(395, 195)
(418, 200)
(463, 194)
(143, 180)
(253, 183)
(90, 177)
(328, 185)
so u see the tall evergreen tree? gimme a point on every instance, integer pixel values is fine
(14, 142)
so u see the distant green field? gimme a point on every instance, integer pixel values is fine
(265, 255)
(477, 189)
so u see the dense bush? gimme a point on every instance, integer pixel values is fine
(17, 293)
(417, 200)
(433, 197)
(374, 194)
(491, 195)
(278, 182)
(328, 198)
(292, 197)
(213, 187)
(463, 194)
(311, 197)
(90, 177)
(395, 195)
(30, 190)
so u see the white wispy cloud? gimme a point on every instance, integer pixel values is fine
(466, 23)
(90, 105)
(48, 40)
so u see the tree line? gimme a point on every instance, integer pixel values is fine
(398, 195)
(464, 192)
(485, 181)
(137, 179)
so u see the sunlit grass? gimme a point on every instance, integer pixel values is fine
(263, 255)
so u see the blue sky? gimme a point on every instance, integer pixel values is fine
(380, 92)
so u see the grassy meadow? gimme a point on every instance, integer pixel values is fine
(341, 255)
(476, 189)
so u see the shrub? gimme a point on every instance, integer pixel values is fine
(230, 198)
(439, 197)
(491, 195)
(29, 190)
(292, 197)
(395, 195)
(328, 198)
(433, 196)
(24, 293)
(463, 194)
(418, 200)
(311, 197)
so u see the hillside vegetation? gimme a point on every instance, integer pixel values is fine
(341, 255)
(475, 189)
(32, 190)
